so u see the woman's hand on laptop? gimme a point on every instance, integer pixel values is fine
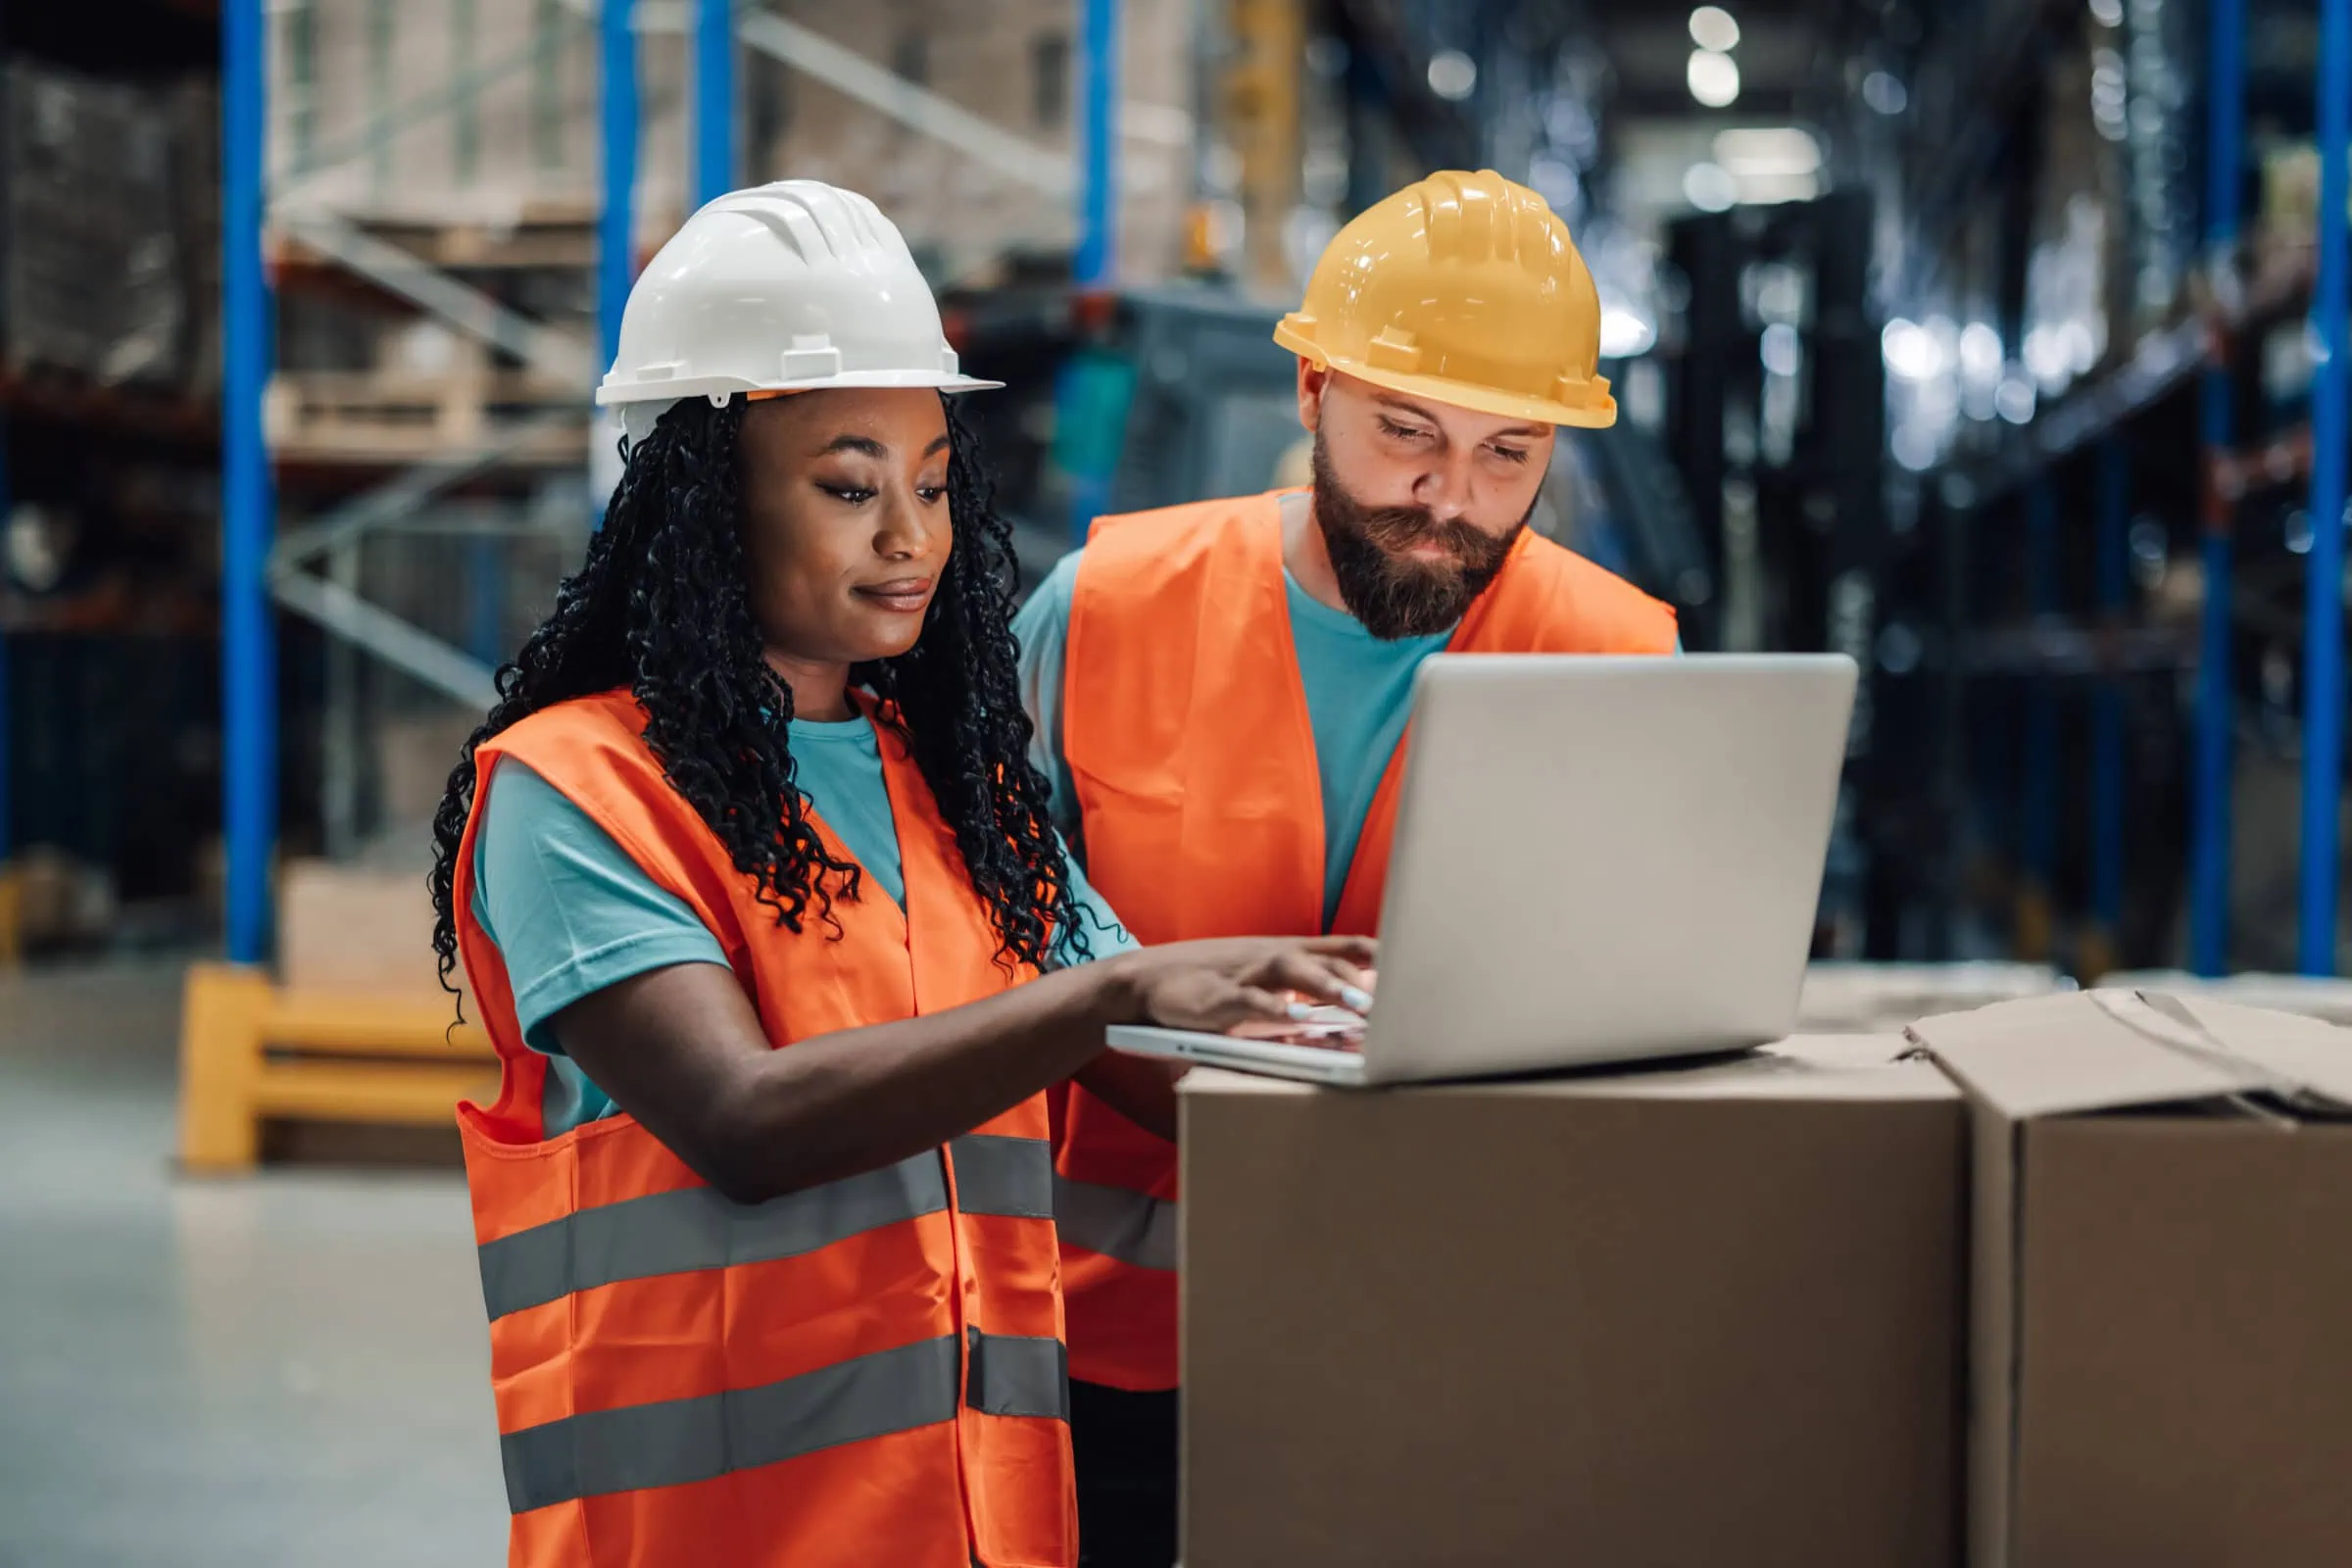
(1213, 985)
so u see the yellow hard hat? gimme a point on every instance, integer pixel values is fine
(1464, 289)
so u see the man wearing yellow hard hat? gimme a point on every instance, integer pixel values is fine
(1220, 695)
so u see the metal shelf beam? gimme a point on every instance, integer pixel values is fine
(1099, 150)
(2217, 706)
(2324, 617)
(714, 99)
(248, 631)
(616, 223)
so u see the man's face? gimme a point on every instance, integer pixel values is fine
(1418, 502)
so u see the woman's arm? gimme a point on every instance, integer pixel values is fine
(681, 1049)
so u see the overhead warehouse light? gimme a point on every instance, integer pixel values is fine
(1713, 28)
(1911, 350)
(1768, 150)
(1769, 164)
(1452, 74)
(1624, 333)
(1884, 93)
(1709, 188)
(1714, 78)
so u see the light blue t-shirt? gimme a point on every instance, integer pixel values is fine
(571, 914)
(1360, 692)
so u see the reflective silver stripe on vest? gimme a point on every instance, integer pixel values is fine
(1129, 1226)
(694, 1228)
(998, 1175)
(1019, 1375)
(679, 1442)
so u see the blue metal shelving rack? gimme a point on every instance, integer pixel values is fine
(2209, 823)
(2324, 614)
(248, 627)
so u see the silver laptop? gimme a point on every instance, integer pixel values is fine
(1596, 859)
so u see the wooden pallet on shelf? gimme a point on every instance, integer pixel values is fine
(251, 1051)
(393, 418)
(543, 235)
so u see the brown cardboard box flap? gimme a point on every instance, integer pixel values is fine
(2114, 1050)
(2301, 1054)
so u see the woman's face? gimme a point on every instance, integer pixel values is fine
(845, 519)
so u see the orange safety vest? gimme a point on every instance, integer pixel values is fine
(1186, 731)
(868, 1371)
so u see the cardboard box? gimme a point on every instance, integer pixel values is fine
(2162, 1344)
(357, 932)
(1695, 1314)
(1869, 996)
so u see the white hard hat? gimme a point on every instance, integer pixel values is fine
(779, 288)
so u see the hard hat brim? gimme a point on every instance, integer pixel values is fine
(1461, 394)
(608, 395)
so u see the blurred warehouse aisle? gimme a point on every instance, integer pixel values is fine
(286, 1369)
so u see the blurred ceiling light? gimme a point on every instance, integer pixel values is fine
(1769, 191)
(1713, 77)
(1556, 180)
(2014, 400)
(2107, 13)
(1884, 93)
(1981, 353)
(1914, 446)
(2083, 344)
(1713, 28)
(1777, 150)
(1707, 187)
(2049, 359)
(1624, 333)
(1780, 351)
(1911, 350)
(1452, 74)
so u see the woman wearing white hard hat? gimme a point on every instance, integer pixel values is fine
(760, 782)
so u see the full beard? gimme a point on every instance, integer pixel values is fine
(1393, 594)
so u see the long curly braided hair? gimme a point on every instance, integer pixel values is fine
(661, 606)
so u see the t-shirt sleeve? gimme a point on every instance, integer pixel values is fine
(1041, 628)
(570, 913)
(1105, 937)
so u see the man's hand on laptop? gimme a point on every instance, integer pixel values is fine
(1219, 984)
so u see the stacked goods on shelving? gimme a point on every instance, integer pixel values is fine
(486, 113)
(1015, 65)
(195, 108)
(106, 223)
(439, 112)
(2076, 276)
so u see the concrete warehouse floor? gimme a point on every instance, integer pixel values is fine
(288, 1369)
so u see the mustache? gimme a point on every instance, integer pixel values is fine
(1399, 528)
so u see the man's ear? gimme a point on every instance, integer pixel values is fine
(1313, 379)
